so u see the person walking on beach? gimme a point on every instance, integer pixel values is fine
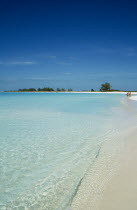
(128, 94)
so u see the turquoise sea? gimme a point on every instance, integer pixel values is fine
(49, 140)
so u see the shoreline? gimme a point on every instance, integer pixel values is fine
(94, 92)
(133, 98)
(111, 184)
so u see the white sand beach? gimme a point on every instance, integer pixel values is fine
(121, 191)
(114, 186)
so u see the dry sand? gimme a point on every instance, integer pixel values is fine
(121, 192)
(112, 185)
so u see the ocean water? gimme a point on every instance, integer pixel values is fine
(49, 140)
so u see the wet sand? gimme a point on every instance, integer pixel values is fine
(133, 98)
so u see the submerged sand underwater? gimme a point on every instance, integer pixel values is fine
(60, 151)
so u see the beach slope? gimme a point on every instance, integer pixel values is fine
(114, 186)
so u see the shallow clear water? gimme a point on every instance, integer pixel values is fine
(48, 141)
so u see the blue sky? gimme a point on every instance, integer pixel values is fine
(70, 44)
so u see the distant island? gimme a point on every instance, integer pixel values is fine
(105, 87)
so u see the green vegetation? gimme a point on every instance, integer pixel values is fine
(46, 89)
(63, 89)
(105, 87)
(27, 90)
(58, 89)
(114, 90)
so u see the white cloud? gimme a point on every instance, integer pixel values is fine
(18, 63)
(37, 78)
(64, 63)
(21, 63)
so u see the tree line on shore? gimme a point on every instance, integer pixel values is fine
(46, 89)
(104, 88)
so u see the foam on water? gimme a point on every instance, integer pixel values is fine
(48, 141)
